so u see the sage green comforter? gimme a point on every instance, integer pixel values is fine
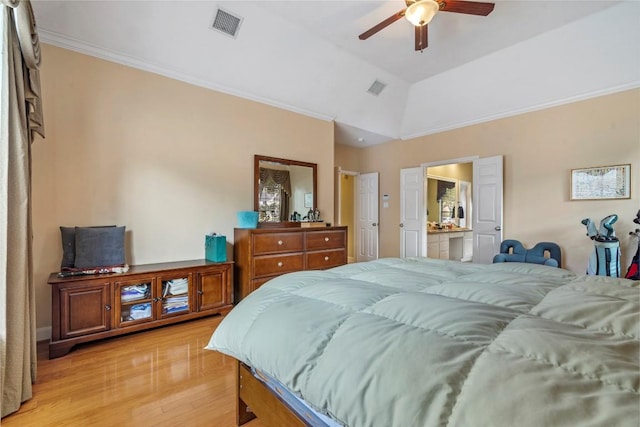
(423, 342)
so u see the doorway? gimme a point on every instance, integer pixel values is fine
(346, 208)
(481, 199)
(356, 200)
(448, 201)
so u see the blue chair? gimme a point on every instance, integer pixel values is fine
(513, 251)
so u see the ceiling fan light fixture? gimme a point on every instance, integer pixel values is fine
(422, 12)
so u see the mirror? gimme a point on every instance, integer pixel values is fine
(283, 188)
(448, 201)
(442, 200)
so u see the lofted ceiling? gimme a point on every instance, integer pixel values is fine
(305, 56)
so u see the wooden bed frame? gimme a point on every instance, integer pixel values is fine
(254, 398)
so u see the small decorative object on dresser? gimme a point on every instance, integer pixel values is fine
(215, 247)
(90, 307)
(263, 253)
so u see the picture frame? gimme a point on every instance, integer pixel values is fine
(308, 200)
(601, 183)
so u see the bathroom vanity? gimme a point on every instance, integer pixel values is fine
(455, 244)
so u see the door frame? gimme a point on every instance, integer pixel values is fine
(339, 207)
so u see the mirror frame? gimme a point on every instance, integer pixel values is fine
(256, 184)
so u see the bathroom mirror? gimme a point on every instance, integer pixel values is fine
(442, 200)
(448, 201)
(284, 190)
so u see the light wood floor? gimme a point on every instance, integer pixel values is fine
(162, 377)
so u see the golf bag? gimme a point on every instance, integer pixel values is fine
(633, 272)
(605, 258)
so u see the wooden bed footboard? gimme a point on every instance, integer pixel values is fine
(256, 399)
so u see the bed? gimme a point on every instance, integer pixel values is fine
(427, 342)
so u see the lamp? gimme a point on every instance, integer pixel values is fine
(421, 12)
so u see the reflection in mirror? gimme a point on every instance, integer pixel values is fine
(448, 201)
(443, 200)
(285, 190)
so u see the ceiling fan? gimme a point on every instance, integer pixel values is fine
(420, 13)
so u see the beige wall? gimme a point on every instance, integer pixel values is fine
(170, 161)
(539, 149)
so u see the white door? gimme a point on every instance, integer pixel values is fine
(412, 209)
(487, 208)
(367, 212)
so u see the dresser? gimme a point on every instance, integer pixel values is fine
(261, 254)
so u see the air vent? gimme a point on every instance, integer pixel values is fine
(376, 87)
(226, 23)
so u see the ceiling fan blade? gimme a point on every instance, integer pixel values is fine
(468, 7)
(421, 38)
(390, 20)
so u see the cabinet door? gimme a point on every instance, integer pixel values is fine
(467, 246)
(444, 246)
(174, 294)
(433, 247)
(84, 309)
(214, 288)
(134, 301)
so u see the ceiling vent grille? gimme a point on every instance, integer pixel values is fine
(376, 87)
(226, 23)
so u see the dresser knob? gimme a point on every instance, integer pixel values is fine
(326, 258)
(326, 239)
(280, 264)
(107, 307)
(280, 242)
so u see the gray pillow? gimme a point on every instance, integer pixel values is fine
(99, 247)
(68, 235)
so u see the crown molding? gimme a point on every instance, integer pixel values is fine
(85, 48)
(518, 111)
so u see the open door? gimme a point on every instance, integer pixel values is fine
(487, 208)
(367, 213)
(412, 213)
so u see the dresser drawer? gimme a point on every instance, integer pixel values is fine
(326, 240)
(277, 264)
(255, 284)
(325, 259)
(272, 243)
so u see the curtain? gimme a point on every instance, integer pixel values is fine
(443, 186)
(270, 177)
(21, 119)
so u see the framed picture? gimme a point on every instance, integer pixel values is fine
(602, 182)
(308, 200)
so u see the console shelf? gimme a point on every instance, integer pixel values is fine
(91, 307)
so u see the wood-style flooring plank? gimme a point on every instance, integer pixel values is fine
(161, 378)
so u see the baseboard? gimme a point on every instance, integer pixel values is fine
(43, 334)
